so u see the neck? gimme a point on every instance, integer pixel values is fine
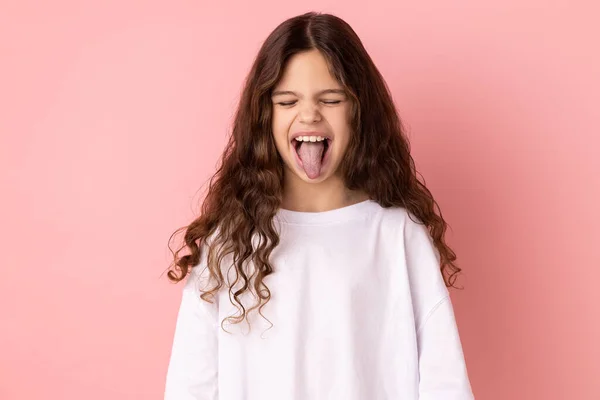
(329, 194)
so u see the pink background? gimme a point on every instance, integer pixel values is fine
(113, 115)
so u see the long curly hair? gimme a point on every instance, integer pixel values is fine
(246, 191)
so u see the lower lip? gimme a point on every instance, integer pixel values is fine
(324, 163)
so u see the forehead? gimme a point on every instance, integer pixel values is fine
(307, 70)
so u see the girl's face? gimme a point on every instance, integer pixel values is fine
(308, 101)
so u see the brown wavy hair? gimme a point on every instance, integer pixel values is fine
(246, 191)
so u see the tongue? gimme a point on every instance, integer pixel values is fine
(310, 153)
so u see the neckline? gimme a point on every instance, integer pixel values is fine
(321, 217)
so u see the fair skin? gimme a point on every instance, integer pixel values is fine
(313, 100)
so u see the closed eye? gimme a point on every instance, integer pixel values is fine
(290, 103)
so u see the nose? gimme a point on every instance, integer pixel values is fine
(309, 114)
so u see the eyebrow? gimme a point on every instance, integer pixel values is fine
(326, 91)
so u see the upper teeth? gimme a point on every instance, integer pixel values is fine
(309, 138)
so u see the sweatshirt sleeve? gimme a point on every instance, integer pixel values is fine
(193, 365)
(442, 369)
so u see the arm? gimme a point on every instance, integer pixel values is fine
(192, 370)
(442, 369)
(441, 361)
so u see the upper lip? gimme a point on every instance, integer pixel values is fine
(311, 133)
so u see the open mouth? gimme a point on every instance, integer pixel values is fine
(326, 145)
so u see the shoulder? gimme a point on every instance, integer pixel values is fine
(405, 229)
(405, 222)
(420, 251)
(420, 258)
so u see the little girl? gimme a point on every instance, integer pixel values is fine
(318, 267)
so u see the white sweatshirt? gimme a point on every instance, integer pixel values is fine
(359, 310)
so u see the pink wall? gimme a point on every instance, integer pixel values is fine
(112, 116)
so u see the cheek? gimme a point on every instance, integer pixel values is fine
(279, 127)
(340, 123)
(339, 117)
